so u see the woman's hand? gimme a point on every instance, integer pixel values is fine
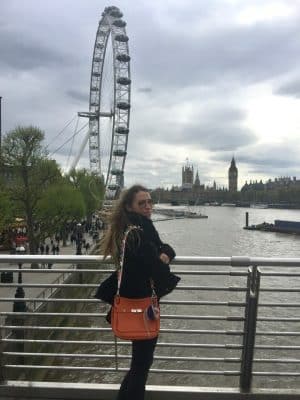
(164, 258)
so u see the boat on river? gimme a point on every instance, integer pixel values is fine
(169, 212)
(280, 226)
(259, 205)
(192, 214)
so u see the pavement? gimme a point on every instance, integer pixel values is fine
(38, 277)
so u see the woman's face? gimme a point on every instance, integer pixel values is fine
(142, 204)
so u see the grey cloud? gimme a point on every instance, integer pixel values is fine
(221, 138)
(281, 155)
(265, 158)
(21, 53)
(208, 135)
(246, 54)
(214, 130)
(152, 171)
(174, 47)
(145, 89)
(291, 88)
(78, 95)
(272, 161)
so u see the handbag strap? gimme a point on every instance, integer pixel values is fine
(122, 256)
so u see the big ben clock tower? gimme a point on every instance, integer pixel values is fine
(232, 176)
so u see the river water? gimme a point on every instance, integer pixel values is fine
(221, 234)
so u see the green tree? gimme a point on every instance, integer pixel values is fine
(7, 213)
(61, 204)
(91, 186)
(33, 172)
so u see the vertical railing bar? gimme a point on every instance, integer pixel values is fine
(245, 336)
(253, 279)
(116, 354)
(253, 284)
(2, 377)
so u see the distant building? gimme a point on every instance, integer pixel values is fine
(284, 182)
(197, 187)
(187, 176)
(232, 176)
(192, 191)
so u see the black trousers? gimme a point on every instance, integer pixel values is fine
(134, 382)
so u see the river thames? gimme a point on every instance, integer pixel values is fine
(222, 233)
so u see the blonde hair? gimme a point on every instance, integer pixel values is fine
(118, 221)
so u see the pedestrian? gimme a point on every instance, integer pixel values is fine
(53, 249)
(72, 239)
(57, 249)
(47, 248)
(145, 258)
(87, 247)
(42, 248)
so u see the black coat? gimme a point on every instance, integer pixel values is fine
(142, 262)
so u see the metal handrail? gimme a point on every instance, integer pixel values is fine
(245, 297)
(233, 261)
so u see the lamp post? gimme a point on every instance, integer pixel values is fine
(78, 239)
(0, 126)
(20, 306)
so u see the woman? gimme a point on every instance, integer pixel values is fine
(145, 258)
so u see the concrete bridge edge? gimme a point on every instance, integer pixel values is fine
(27, 390)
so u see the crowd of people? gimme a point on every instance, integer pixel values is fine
(80, 234)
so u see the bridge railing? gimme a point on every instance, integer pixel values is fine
(232, 322)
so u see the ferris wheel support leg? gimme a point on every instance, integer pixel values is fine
(82, 147)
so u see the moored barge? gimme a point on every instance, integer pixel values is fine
(281, 226)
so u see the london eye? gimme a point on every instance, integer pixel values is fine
(109, 102)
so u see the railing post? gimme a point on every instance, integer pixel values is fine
(253, 283)
(2, 377)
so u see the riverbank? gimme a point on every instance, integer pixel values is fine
(38, 277)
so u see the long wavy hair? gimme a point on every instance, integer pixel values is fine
(111, 242)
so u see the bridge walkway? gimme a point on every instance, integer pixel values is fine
(229, 331)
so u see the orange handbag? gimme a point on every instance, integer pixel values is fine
(134, 319)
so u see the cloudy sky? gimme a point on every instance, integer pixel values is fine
(210, 79)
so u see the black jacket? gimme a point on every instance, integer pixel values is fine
(142, 262)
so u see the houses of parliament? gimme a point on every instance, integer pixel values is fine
(278, 193)
(193, 192)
